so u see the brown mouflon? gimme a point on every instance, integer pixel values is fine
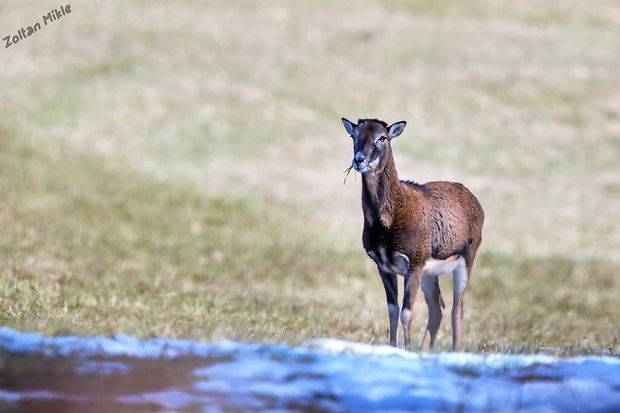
(417, 230)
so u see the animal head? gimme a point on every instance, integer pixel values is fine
(371, 142)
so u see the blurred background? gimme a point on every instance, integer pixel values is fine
(176, 169)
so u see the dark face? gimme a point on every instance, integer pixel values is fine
(371, 143)
(370, 146)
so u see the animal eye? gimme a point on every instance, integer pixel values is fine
(382, 139)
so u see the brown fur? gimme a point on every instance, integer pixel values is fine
(407, 224)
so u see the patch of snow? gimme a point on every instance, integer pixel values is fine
(323, 374)
(336, 346)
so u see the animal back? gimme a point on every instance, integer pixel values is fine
(457, 219)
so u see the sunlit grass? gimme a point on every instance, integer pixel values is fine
(177, 170)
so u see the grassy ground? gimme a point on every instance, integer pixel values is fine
(177, 169)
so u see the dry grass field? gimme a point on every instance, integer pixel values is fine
(176, 169)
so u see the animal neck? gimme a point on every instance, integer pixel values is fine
(379, 192)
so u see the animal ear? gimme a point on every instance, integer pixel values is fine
(348, 125)
(396, 129)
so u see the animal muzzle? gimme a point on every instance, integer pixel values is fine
(359, 162)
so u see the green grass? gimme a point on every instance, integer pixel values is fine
(177, 170)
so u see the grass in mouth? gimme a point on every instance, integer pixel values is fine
(347, 172)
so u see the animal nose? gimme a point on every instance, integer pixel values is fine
(359, 158)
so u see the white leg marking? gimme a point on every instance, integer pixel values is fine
(393, 312)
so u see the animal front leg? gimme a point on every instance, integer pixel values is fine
(390, 282)
(412, 284)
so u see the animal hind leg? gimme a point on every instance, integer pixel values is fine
(460, 279)
(435, 303)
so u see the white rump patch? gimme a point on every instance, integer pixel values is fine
(434, 267)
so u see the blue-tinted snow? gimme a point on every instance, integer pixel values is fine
(52, 374)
